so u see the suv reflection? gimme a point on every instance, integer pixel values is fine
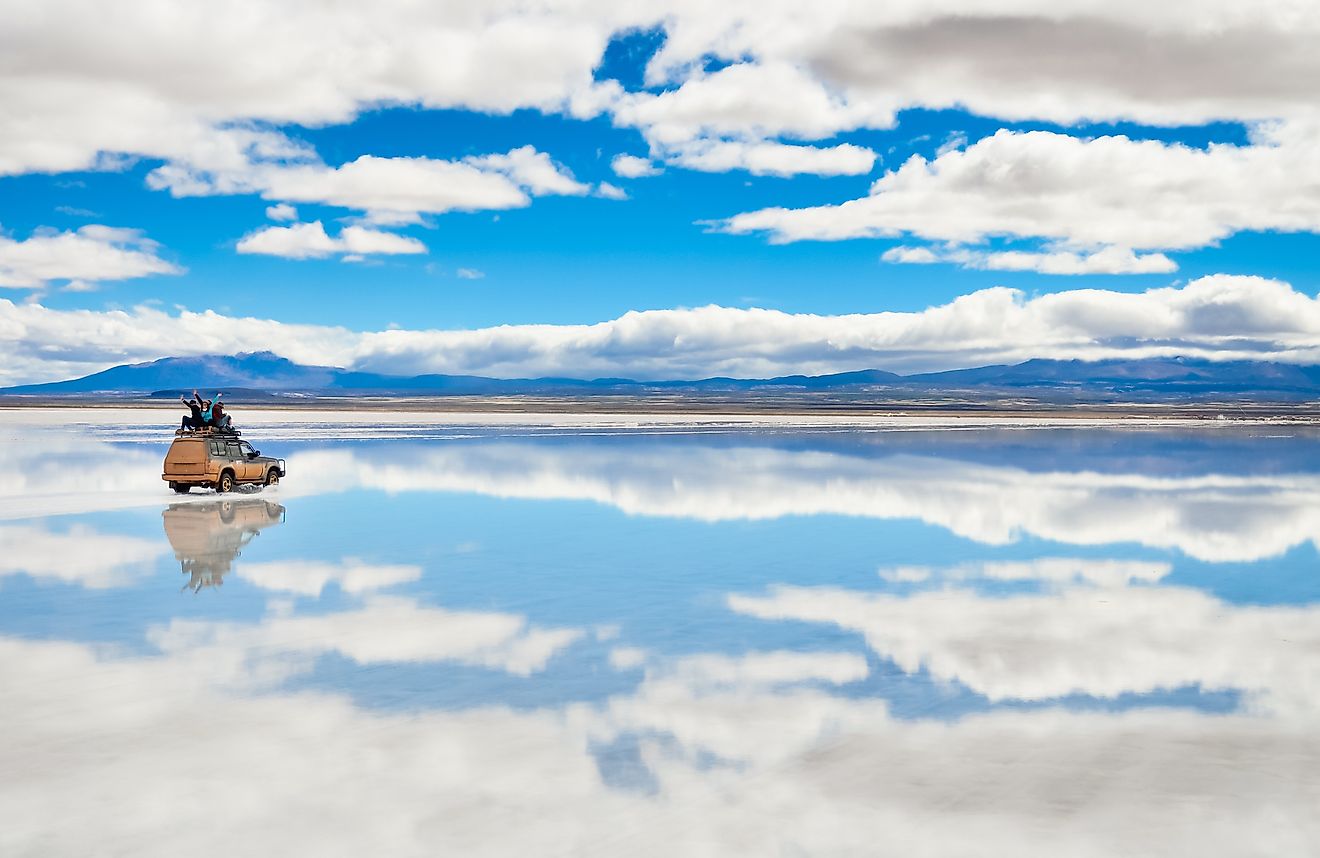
(206, 537)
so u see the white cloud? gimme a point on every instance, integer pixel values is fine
(281, 211)
(1108, 260)
(218, 81)
(633, 167)
(391, 190)
(611, 192)
(91, 254)
(187, 86)
(1109, 192)
(746, 100)
(774, 159)
(1218, 317)
(911, 255)
(861, 62)
(532, 170)
(470, 274)
(310, 241)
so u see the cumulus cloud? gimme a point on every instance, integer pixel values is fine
(88, 255)
(841, 63)
(390, 190)
(747, 101)
(1108, 192)
(310, 241)
(1218, 317)
(633, 167)
(78, 79)
(803, 73)
(220, 85)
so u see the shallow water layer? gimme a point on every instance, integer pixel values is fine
(440, 636)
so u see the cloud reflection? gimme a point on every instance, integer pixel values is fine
(77, 554)
(1211, 516)
(1098, 641)
(736, 768)
(383, 630)
(1206, 507)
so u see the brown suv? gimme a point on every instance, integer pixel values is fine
(219, 461)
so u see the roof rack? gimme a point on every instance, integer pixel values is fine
(207, 432)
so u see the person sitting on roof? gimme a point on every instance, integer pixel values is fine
(219, 419)
(195, 419)
(207, 413)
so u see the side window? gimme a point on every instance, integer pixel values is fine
(245, 448)
(217, 448)
(234, 452)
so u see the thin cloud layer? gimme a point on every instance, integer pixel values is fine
(1219, 317)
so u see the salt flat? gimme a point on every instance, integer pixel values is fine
(636, 636)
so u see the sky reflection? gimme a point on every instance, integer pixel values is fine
(1061, 642)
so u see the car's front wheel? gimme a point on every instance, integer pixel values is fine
(272, 476)
(226, 483)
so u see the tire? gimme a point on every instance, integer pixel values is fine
(226, 483)
(180, 488)
(273, 477)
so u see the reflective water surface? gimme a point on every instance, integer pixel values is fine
(445, 637)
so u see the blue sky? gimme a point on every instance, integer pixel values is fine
(983, 172)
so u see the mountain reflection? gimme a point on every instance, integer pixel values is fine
(207, 537)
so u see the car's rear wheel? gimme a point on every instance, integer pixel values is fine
(226, 483)
(272, 477)
(180, 488)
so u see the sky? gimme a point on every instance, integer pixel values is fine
(657, 190)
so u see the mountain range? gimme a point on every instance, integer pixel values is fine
(265, 374)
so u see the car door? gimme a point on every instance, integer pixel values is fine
(252, 470)
(236, 457)
(219, 458)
